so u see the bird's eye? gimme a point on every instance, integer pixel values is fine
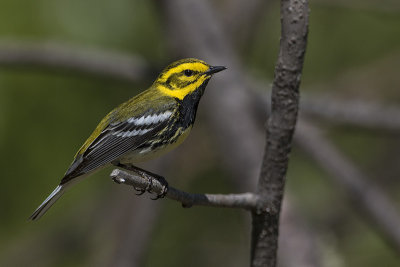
(188, 73)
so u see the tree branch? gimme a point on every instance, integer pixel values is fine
(370, 115)
(245, 200)
(281, 124)
(132, 68)
(366, 196)
(69, 58)
(348, 112)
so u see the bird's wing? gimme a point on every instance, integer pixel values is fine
(117, 138)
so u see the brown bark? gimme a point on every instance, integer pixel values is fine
(280, 128)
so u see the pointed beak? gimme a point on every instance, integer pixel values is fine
(214, 69)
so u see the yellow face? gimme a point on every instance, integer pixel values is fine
(183, 77)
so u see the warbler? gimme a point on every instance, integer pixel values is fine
(143, 127)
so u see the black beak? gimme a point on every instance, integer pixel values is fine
(214, 69)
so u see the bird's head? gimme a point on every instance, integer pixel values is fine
(185, 76)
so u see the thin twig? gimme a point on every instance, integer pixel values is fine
(244, 200)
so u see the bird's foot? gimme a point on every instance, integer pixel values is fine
(164, 187)
(150, 186)
(150, 178)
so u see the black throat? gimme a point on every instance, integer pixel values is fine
(188, 106)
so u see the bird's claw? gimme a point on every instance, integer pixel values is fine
(163, 193)
(139, 191)
(146, 175)
(148, 188)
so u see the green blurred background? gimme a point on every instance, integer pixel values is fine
(353, 52)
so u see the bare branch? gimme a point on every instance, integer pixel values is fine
(281, 124)
(364, 194)
(132, 68)
(353, 112)
(375, 115)
(245, 200)
(71, 58)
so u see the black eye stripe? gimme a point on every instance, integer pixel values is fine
(188, 72)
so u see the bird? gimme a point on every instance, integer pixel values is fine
(144, 127)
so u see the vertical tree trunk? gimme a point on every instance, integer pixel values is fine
(281, 124)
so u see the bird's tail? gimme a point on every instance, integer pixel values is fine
(49, 201)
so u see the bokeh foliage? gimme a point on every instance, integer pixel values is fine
(45, 116)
